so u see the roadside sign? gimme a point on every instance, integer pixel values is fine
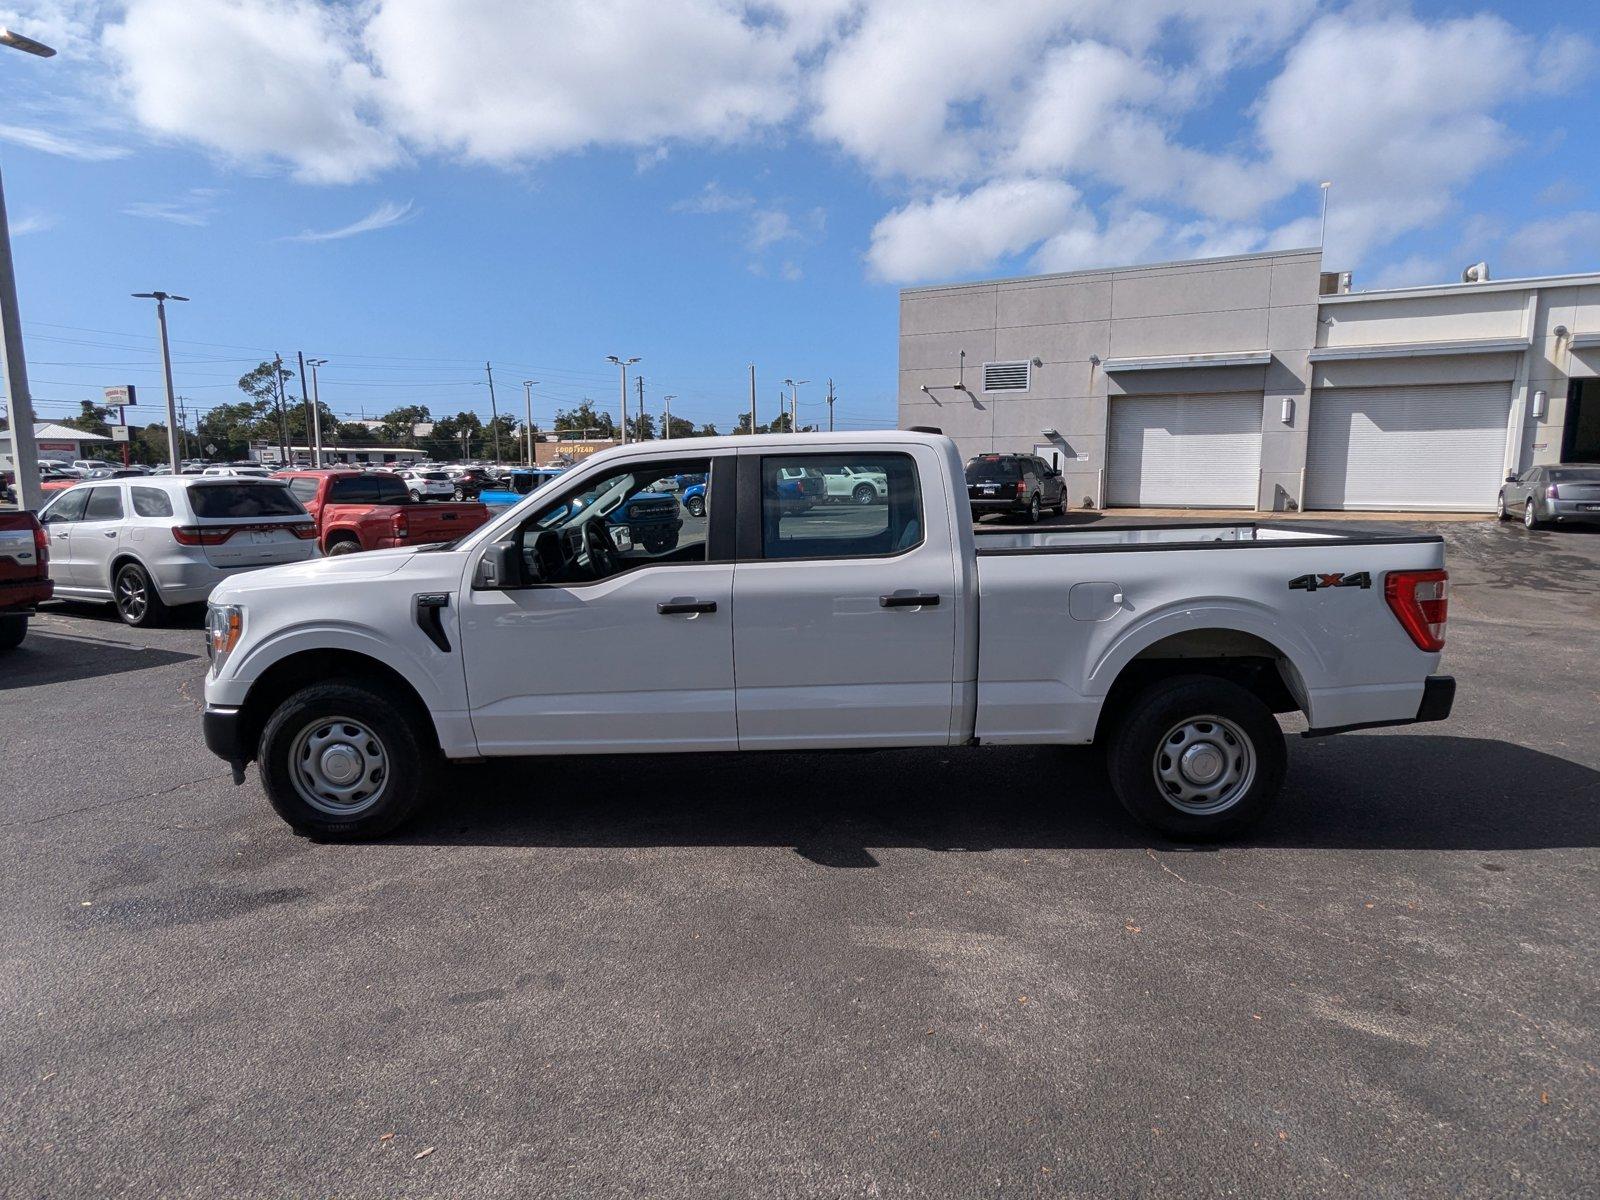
(121, 396)
(211, 448)
(119, 433)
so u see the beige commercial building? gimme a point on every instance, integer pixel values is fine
(1261, 381)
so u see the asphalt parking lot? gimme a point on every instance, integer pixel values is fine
(896, 974)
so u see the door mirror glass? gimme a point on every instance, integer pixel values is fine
(1512, 477)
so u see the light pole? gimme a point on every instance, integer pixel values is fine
(161, 299)
(666, 421)
(622, 365)
(527, 423)
(316, 410)
(24, 451)
(794, 403)
(1322, 236)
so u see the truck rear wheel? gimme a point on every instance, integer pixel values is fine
(343, 762)
(1197, 758)
(12, 630)
(343, 545)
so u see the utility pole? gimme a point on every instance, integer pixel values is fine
(316, 412)
(494, 414)
(639, 379)
(666, 404)
(305, 399)
(752, 398)
(24, 450)
(527, 423)
(1322, 236)
(161, 299)
(183, 427)
(622, 366)
(830, 406)
(794, 403)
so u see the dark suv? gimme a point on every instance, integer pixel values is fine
(1015, 483)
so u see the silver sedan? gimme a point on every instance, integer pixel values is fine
(1561, 493)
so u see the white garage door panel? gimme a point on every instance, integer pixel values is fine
(1439, 447)
(1184, 451)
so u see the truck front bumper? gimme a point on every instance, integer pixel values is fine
(225, 737)
(1438, 697)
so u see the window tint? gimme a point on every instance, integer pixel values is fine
(647, 523)
(369, 489)
(796, 524)
(105, 504)
(1574, 474)
(243, 500)
(304, 488)
(68, 508)
(991, 468)
(151, 502)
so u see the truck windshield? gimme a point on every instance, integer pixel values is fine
(989, 470)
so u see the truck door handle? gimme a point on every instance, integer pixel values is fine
(672, 608)
(108, 533)
(919, 601)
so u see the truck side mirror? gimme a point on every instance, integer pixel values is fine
(501, 568)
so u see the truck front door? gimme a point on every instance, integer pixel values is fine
(845, 615)
(620, 646)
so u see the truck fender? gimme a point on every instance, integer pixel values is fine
(445, 708)
(329, 536)
(1217, 612)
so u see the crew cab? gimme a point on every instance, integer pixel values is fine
(764, 628)
(24, 577)
(373, 510)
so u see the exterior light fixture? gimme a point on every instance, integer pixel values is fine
(1540, 399)
(1288, 410)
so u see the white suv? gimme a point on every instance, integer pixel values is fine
(148, 544)
(854, 485)
(428, 484)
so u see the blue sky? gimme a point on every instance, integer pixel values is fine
(412, 187)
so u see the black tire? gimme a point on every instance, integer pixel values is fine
(344, 545)
(696, 506)
(865, 493)
(416, 497)
(138, 602)
(1530, 514)
(359, 715)
(12, 630)
(1502, 512)
(1215, 717)
(1033, 510)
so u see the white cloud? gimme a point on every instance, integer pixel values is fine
(386, 216)
(504, 81)
(1570, 242)
(50, 143)
(256, 81)
(953, 234)
(33, 223)
(195, 207)
(1414, 270)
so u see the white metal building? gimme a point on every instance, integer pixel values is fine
(1259, 381)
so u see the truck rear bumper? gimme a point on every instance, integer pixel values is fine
(1438, 697)
(21, 597)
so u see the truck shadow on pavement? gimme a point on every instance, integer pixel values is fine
(1364, 791)
(46, 657)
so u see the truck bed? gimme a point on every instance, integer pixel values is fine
(1181, 537)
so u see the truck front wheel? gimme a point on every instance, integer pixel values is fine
(1197, 758)
(343, 762)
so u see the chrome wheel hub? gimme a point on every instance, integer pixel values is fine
(130, 595)
(338, 766)
(1204, 765)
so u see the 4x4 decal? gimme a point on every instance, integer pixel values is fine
(1310, 583)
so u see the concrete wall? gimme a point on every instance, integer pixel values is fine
(1074, 323)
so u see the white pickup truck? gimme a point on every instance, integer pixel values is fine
(552, 630)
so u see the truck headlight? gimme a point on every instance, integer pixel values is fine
(224, 625)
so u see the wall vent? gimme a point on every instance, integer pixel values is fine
(1006, 376)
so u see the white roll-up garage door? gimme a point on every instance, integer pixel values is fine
(1438, 447)
(1184, 451)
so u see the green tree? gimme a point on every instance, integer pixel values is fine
(94, 418)
(586, 421)
(641, 427)
(231, 427)
(678, 427)
(399, 424)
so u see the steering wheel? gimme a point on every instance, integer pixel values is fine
(601, 549)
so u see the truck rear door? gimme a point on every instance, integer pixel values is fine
(845, 616)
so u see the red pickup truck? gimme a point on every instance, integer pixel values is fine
(24, 579)
(369, 510)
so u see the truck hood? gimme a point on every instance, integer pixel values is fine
(372, 564)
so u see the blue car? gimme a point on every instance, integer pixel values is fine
(694, 498)
(519, 483)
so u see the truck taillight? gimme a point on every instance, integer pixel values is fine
(402, 525)
(1420, 603)
(41, 544)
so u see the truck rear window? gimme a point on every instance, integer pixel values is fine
(369, 489)
(243, 500)
(989, 470)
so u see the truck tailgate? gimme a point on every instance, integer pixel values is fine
(433, 521)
